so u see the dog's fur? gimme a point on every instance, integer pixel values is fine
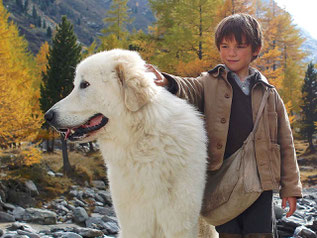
(154, 144)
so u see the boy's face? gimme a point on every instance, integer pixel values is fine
(237, 57)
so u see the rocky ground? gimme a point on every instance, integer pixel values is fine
(88, 212)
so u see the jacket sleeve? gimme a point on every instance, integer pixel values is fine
(190, 89)
(290, 177)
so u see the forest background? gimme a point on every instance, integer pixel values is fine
(179, 41)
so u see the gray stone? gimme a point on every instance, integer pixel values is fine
(278, 212)
(304, 232)
(79, 203)
(106, 196)
(18, 213)
(89, 193)
(51, 173)
(99, 184)
(80, 215)
(29, 234)
(39, 216)
(88, 232)
(95, 223)
(9, 235)
(104, 210)
(59, 175)
(73, 193)
(99, 198)
(5, 217)
(112, 227)
(29, 184)
(69, 235)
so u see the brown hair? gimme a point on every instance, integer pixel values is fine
(238, 26)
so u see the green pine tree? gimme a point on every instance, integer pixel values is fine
(117, 20)
(64, 55)
(309, 107)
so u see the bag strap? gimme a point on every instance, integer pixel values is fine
(261, 108)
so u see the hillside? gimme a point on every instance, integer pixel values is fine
(34, 17)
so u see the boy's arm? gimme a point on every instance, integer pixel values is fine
(190, 89)
(290, 178)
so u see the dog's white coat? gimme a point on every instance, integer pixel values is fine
(154, 145)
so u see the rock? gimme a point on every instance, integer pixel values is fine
(106, 196)
(104, 210)
(278, 211)
(88, 232)
(69, 235)
(39, 216)
(112, 228)
(6, 206)
(59, 175)
(99, 184)
(304, 232)
(28, 234)
(18, 213)
(5, 217)
(51, 173)
(29, 184)
(80, 215)
(89, 193)
(11, 235)
(22, 199)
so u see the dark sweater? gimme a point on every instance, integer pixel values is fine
(241, 121)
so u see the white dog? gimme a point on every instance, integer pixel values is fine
(153, 143)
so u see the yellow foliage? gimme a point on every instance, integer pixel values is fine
(192, 68)
(291, 117)
(20, 118)
(31, 155)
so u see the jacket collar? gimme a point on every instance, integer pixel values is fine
(222, 70)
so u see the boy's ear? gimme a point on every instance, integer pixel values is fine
(257, 51)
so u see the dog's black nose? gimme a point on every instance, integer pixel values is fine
(49, 116)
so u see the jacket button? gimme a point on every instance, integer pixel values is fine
(223, 120)
(227, 95)
(219, 146)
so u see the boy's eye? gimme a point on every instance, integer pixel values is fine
(223, 46)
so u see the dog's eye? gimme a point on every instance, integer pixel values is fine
(84, 84)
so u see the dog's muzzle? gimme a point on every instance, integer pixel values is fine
(78, 132)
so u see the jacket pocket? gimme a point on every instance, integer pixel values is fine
(276, 163)
(272, 121)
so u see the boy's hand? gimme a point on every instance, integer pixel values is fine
(160, 79)
(292, 205)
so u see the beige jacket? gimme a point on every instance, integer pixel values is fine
(275, 154)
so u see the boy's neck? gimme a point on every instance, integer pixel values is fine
(242, 74)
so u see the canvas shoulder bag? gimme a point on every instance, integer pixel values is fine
(231, 189)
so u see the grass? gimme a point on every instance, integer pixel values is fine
(85, 169)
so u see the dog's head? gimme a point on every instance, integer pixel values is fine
(107, 86)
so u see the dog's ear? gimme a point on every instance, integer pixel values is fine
(136, 90)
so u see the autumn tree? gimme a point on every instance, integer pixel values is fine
(117, 18)
(20, 120)
(309, 106)
(64, 55)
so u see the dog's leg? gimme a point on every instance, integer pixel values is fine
(136, 221)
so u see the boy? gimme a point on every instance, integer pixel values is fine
(229, 96)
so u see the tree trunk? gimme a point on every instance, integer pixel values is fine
(311, 147)
(66, 165)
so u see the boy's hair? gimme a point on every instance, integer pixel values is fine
(238, 26)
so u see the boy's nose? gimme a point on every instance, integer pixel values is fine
(232, 52)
